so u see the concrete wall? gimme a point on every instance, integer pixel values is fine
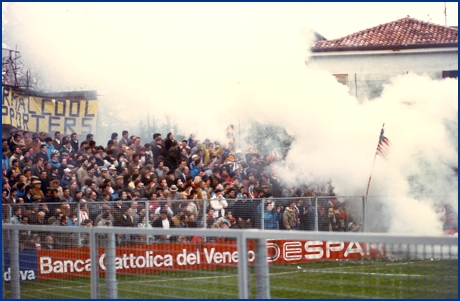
(368, 70)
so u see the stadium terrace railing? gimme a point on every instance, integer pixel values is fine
(356, 208)
(252, 256)
(144, 203)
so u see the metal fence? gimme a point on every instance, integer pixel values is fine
(355, 207)
(231, 263)
(366, 214)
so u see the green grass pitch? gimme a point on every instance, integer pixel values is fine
(352, 279)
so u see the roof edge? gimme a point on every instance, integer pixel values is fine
(387, 47)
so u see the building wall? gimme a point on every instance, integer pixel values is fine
(365, 72)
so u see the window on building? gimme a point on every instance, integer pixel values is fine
(342, 78)
(450, 74)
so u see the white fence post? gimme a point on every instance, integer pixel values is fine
(94, 265)
(14, 265)
(316, 214)
(243, 267)
(262, 271)
(110, 273)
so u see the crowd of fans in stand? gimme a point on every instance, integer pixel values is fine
(44, 178)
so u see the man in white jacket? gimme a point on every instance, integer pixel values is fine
(218, 203)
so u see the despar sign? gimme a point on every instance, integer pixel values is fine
(27, 266)
(282, 251)
(149, 259)
(67, 112)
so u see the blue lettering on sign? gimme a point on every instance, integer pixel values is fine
(51, 124)
(56, 107)
(69, 123)
(29, 109)
(44, 101)
(74, 109)
(37, 125)
(6, 98)
(28, 267)
(86, 109)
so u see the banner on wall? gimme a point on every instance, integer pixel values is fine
(27, 266)
(67, 112)
(155, 258)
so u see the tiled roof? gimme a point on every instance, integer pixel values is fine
(405, 32)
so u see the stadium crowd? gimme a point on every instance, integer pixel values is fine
(164, 183)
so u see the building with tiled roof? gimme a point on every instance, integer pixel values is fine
(367, 59)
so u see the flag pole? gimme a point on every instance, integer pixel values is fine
(372, 169)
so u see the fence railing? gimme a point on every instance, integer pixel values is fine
(357, 211)
(233, 263)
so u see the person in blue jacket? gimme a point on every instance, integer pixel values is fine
(272, 215)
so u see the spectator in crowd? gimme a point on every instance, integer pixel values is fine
(17, 215)
(163, 221)
(329, 221)
(218, 203)
(272, 215)
(210, 219)
(177, 179)
(353, 227)
(49, 243)
(290, 216)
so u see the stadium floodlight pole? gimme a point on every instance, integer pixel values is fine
(372, 169)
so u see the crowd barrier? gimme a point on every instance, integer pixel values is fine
(107, 270)
(357, 209)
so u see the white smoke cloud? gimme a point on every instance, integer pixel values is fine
(207, 65)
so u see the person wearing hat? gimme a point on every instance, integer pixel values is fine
(104, 176)
(35, 143)
(36, 190)
(174, 194)
(192, 162)
(353, 227)
(233, 223)
(112, 174)
(37, 198)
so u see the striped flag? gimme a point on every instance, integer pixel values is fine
(383, 147)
